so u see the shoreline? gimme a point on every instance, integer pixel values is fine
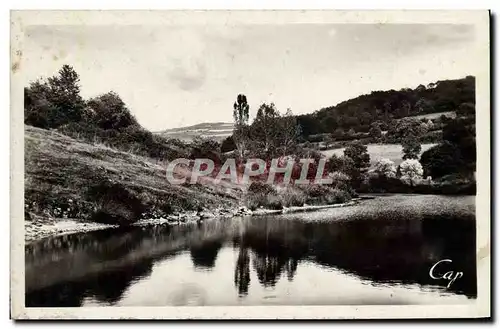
(35, 231)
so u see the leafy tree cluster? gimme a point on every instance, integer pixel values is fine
(270, 134)
(56, 103)
(354, 163)
(408, 132)
(456, 154)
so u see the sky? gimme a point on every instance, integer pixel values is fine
(173, 76)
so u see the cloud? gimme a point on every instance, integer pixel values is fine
(189, 75)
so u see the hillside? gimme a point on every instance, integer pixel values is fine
(60, 170)
(213, 130)
(360, 112)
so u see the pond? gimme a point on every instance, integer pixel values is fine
(377, 252)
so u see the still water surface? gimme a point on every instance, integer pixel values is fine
(378, 252)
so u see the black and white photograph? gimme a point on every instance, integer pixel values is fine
(200, 164)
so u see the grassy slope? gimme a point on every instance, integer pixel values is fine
(392, 152)
(58, 169)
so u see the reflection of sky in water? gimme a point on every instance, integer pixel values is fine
(176, 282)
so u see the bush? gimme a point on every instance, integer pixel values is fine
(326, 194)
(261, 188)
(339, 196)
(293, 197)
(315, 190)
(267, 201)
(228, 145)
(205, 148)
(340, 180)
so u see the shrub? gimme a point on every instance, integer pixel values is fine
(315, 190)
(261, 188)
(267, 201)
(228, 145)
(326, 194)
(338, 196)
(293, 197)
(205, 148)
(340, 180)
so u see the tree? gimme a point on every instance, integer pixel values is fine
(406, 108)
(466, 110)
(424, 106)
(289, 132)
(385, 168)
(441, 160)
(328, 139)
(420, 88)
(241, 110)
(110, 112)
(65, 94)
(340, 164)
(411, 147)
(411, 170)
(358, 153)
(265, 128)
(54, 102)
(38, 109)
(241, 133)
(375, 131)
(461, 134)
(408, 132)
(402, 128)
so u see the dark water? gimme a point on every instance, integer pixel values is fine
(378, 252)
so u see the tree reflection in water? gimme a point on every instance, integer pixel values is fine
(274, 252)
(204, 254)
(242, 272)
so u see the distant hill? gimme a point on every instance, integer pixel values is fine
(214, 130)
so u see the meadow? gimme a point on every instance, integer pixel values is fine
(432, 116)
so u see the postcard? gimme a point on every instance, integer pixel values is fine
(313, 164)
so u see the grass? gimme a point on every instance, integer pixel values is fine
(392, 152)
(450, 114)
(59, 172)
